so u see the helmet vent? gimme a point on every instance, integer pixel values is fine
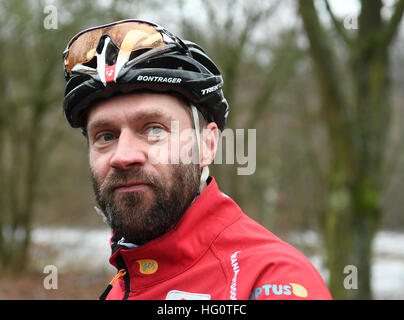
(137, 53)
(172, 63)
(111, 54)
(92, 63)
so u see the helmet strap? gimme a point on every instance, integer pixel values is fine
(195, 117)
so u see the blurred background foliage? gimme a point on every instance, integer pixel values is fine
(326, 102)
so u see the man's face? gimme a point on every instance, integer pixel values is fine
(141, 198)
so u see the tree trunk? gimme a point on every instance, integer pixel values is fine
(349, 226)
(357, 130)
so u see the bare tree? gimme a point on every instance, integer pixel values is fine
(357, 122)
(32, 87)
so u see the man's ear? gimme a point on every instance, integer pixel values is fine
(209, 142)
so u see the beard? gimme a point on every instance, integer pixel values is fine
(139, 217)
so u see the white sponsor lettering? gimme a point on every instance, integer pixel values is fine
(159, 79)
(211, 89)
(236, 270)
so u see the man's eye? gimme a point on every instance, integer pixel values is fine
(155, 130)
(106, 137)
(156, 133)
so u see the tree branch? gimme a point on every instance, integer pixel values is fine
(391, 27)
(338, 25)
(280, 70)
(334, 105)
(322, 55)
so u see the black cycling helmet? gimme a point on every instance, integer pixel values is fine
(130, 55)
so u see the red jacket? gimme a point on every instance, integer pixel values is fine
(215, 252)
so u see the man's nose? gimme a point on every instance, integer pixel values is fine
(129, 151)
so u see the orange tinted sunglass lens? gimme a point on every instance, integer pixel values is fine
(129, 36)
(133, 36)
(81, 49)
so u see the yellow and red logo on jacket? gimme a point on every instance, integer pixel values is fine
(267, 290)
(147, 266)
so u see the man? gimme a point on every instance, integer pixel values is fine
(152, 107)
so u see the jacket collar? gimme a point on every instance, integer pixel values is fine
(177, 250)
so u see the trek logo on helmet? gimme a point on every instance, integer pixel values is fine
(211, 89)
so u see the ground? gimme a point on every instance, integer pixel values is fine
(72, 286)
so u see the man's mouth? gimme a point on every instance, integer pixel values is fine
(131, 187)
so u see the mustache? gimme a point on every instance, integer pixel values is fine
(136, 174)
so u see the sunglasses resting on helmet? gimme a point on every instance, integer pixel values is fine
(127, 35)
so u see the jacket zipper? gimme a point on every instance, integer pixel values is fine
(123, 272)
(120, 273)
